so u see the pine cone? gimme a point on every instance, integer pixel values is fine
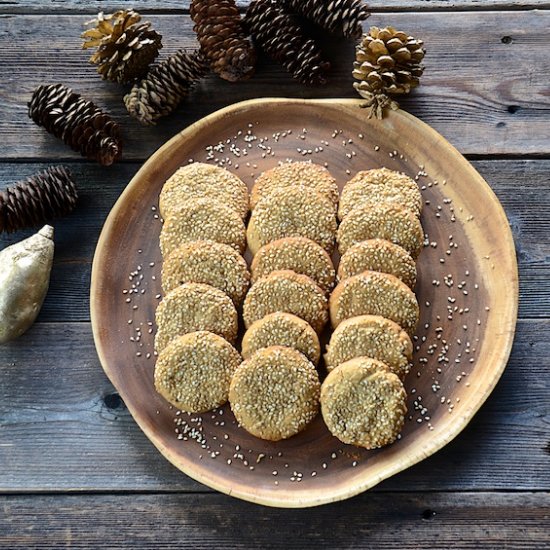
(79, 123)
(280, 35)
(46, 195)
(340, 17)
(222, 38)
(125, 47)
(388, 62)
(165, 86)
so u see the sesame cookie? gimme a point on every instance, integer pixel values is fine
(194, 371)
(191, 307)
(295, 173)
(202, 219)
(198, 180)
(275, 394)
(298, 254)
(210, 263)
(292, 212)
(282, 329)
(370, 336)
(380, 185)
(288, 292)
(372, 293)
(363, 403)
(378, 255)
(383, 221)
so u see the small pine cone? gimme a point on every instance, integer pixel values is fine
(280, 35)
(222, 38)
(388, 62)
(165, 86)
(79, 123)
(340, 17)
(125, 47)
(46, 195)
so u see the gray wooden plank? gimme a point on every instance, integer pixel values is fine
(174, 6)
(523, 186)
(479, 92)
(399, 521)
(64, 429)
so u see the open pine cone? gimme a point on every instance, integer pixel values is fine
(125, 47)
(282, 38)
(388, 63)
(222, 38)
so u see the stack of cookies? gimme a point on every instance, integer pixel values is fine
(274, 394)
(204, 280)
(373, 309)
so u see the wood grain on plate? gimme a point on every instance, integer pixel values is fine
(128, 253)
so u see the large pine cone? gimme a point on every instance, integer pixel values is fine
(388, 62)
(340, 17)
(222, 38)
(46, 195)
(279, 34)
(165, 86)
(79, 123)
(125, 47)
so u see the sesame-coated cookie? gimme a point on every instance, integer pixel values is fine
(275, 394)
(194, 371)
(288, 292)
(297, 254)
(372, 293)
(382, 221)
(378, 255)
(363, 403)
(370, 336)
(199, 220)
(295, 173)
(210, 263)
(192, 307)
(198, 180)
(380, 185)
(292, 212)
(282, 329)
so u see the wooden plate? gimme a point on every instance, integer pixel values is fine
(467, 290)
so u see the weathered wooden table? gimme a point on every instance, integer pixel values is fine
(75, 470)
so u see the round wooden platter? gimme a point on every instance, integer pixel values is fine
(467, 290)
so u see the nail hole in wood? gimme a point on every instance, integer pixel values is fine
(513, 109)
(428, 514)
(501, 124)
(547, 448)
(113, 401)
(506, 40)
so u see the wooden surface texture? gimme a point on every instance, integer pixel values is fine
(76, 471)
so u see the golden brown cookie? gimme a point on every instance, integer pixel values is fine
(282, 329)
(382, 221)
(295, 173)
(192, 307)
(210, 263)
(194, 371)
(363, 403)
(370, 336)
(288, 292)
(298, 254)
(200, 220)
(370, 187)
(292, 212)
(378, 255)
(275, 394)
(372, 293)
(199, 180)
